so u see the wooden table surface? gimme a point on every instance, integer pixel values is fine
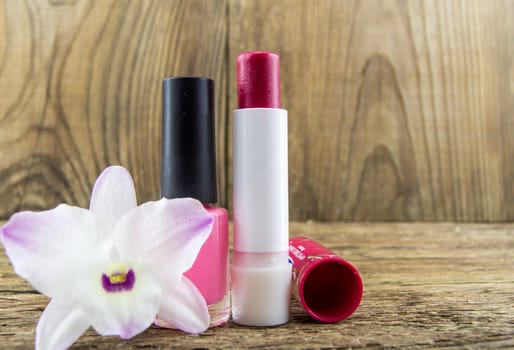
(425, 286)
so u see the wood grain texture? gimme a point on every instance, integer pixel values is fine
(80, 85)
(399, 110)
(425, 286)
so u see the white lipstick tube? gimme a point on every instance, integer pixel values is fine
(261, 273)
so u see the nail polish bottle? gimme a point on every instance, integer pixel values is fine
(189, 170)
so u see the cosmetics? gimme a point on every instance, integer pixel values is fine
(261, 274)
(328, 287)
(189, 170)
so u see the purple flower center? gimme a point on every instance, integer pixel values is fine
(118, 281)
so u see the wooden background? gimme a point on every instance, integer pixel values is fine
(399, 110)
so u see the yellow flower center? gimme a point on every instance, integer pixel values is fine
(118, 279)
(117, 274)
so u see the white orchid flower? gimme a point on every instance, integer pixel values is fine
(115, 267)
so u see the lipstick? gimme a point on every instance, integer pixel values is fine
(261, 274)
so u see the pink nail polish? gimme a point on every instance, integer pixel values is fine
(209, 272)
(189, 170)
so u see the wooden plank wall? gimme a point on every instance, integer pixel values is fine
(399, 110)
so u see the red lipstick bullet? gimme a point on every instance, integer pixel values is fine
(258, 80)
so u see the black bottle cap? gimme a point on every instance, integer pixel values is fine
(188, 146)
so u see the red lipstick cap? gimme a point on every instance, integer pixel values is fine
(258, 80)
(328, 287)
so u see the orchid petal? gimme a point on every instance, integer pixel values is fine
(60, 325)
(184, 308)
(113, 196)
(123, 313)
(168, 233)
(48, 247)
